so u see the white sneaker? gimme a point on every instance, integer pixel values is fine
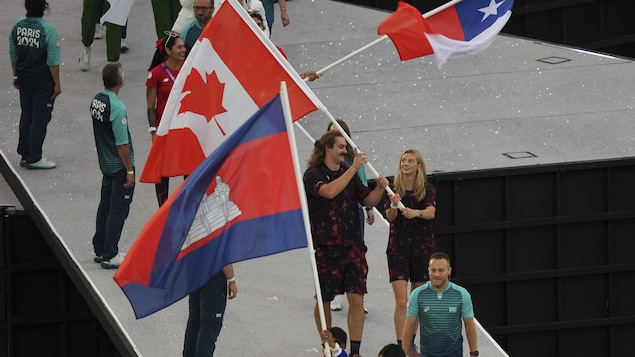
(336, 305)
(99, 32)
(84, 59)
(114, 262)
(43, 164)
(124, 47)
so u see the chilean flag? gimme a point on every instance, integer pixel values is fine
(238, 204)
(232, 70)
(461, 28)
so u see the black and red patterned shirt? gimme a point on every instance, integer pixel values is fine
(412, 237)
(334, 221)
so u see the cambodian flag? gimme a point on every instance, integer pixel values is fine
(461, 27)
(232, 70)
(242, 202)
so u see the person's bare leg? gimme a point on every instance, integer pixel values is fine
(355, 316)
(327, 315)
(400, 290)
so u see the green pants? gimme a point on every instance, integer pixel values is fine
(93, 9)
(165, 13)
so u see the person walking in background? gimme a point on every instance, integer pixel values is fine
(440, 305)
(411, 239)
(336, 305)
(203, 11)
(333, 192)
(206, 313)
(255, 6)
(92, 11)
(34, 51)
(124, 35)
(166, 64)
(270, 13)
(99, 34)
(116, 162)
(185, 16)
(165, 14)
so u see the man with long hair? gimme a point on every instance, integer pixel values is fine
(334, 191)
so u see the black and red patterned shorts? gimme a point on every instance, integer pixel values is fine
(341, 269)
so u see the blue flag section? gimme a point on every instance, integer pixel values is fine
(478, 16)
(241, 203)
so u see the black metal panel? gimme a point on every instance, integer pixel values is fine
(547, 253)
(43, 312)
(32, 251)
(542, 343)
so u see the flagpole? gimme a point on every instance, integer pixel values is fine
(382, 38)
(286, 108)
(352, 54)
(350, 141)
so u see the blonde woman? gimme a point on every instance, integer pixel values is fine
(411, 240)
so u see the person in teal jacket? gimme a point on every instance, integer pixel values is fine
(34, 51)
(440, 306)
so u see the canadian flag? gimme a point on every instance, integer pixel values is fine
(231, 72)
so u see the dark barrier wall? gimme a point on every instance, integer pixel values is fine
(42, 312)
(548, 253)
(599, 25)
(48, 307)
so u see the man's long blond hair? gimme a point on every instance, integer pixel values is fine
(420, 178)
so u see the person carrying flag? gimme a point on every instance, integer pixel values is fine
(333, 192)
(206, 311)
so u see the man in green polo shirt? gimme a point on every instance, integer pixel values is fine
(116, 162)
(440, 305)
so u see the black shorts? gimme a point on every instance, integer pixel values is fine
(341, 269)
(414, 269)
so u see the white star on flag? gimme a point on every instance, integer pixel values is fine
(491, 9)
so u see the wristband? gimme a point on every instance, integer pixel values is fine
(15, 77)
(130, 172)
(232, 279)
(392, 205)
(337, 350)
(152, 129)
(421, 213)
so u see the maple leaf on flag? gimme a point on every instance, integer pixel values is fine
(203, 96)
(230, 87)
